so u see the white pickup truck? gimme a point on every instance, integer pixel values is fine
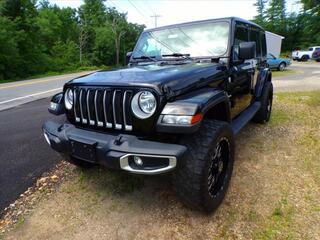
(304, 55)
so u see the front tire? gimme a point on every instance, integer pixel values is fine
(266, 99)
(282, 66)
(202, 180)
(305, 58)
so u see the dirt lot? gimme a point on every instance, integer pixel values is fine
(274, 192)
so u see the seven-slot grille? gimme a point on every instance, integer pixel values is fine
(105, 108)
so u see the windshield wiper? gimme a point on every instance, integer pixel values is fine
(184, 55)
(146, 57)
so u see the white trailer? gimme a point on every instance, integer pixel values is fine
(274, 42)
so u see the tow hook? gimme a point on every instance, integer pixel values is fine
(119, 140)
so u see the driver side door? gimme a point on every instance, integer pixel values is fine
(241, 73)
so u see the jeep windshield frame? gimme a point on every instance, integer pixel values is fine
(198, 40)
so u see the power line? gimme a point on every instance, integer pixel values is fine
(155, 16)
(138, 11)
(115, 6)
(148, 6)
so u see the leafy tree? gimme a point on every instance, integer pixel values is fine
(23, 14)
(94, 11)
(261, 8)
(9, 53)
(309, 4)
(276, 15)
(92, 15)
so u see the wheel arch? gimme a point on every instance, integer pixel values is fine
(220, 111)
(264, 76)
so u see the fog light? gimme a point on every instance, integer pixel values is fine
(47, 138)
(137, 160)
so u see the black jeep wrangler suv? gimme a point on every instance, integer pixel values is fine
(176, 107)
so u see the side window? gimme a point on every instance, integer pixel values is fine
(241, 35)
(311, 49)
(255, 37)
(263, 44)
(318, 48)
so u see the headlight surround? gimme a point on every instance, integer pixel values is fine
(143, 104)
(68, 99)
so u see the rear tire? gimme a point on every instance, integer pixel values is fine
(266, 99)
(202, 180)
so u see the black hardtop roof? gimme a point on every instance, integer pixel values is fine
(207, 20)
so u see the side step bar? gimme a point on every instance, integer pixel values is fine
(245, 117)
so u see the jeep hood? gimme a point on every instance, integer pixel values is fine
(165, 79)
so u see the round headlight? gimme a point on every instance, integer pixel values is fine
(147, 102)
(68, 99)
(143, 104)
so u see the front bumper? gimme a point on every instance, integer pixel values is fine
(115, 151)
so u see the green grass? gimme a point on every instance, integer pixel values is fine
(106, 182)
(311, 98)
(276, 73)
(279, 117)
(278, 224)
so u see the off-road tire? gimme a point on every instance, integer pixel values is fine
(266, 99)
(80, 163)
(191, 176)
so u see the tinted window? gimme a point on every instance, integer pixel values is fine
(198, 39)
(255, 37)
(263, 44)
(271, 56)
(241, 35)
(317, 48)
(310, 49)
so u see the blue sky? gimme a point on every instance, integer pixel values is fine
(176, 11)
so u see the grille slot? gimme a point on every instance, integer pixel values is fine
(103, 108)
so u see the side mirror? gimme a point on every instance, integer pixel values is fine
(128, 56)
(247, 50)
(56, 106)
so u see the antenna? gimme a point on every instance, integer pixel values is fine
(155, 16)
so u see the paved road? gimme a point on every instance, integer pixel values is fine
(24, 154)
(306, 78)
(16, 93)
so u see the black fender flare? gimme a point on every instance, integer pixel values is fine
(199, 101)
(264, 76)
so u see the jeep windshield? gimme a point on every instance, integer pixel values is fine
(190, 41)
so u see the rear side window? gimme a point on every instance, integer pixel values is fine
(241, 35)
(311, 49)
(255, 37)
(263, 44)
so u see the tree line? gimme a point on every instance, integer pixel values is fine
(301, 30)
(37, 37)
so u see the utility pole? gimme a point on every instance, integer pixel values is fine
(155, 16)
